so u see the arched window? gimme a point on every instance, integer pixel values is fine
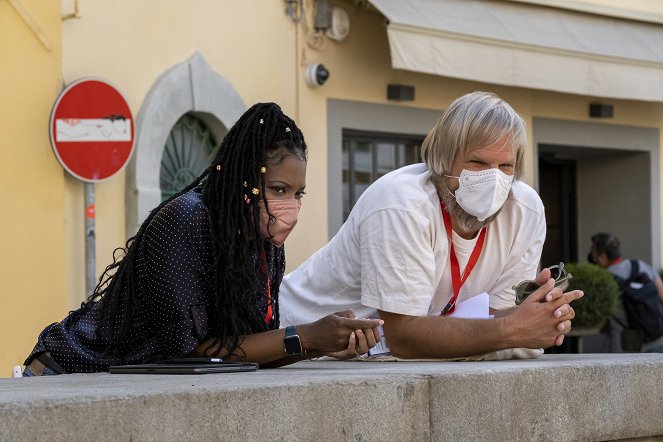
(188, 150)
(209, 104)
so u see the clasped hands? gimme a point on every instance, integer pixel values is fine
(544, 317)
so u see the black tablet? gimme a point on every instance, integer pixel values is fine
(185, 366)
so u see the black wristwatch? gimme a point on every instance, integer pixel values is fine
(293, 346)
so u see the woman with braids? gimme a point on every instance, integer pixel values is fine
(201, 277)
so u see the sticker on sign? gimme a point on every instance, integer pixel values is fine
(113, 128)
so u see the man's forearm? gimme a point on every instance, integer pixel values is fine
(441, 337)
(532, 324)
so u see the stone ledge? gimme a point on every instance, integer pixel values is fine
(555, 397)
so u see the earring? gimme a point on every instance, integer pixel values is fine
(263, 169)
(218, 167)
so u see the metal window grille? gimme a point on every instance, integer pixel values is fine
(188, 151)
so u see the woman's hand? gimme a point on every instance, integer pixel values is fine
(340, 335)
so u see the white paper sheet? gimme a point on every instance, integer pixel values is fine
(476, 307)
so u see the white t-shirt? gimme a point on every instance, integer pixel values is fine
(392, 254)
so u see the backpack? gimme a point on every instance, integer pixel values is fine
(643, 307)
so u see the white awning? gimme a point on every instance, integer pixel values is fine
(517, 44)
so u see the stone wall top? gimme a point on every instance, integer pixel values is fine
(555, 397)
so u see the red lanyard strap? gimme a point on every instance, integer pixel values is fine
(268, 315)
(456, 280)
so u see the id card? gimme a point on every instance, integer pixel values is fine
(381, 348)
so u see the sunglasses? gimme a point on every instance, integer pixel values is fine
(526, 288)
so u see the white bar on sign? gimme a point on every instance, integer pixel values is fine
(92, 129)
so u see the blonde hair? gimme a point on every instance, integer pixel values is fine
(473, 121)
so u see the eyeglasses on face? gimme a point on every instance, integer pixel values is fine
(525, 288)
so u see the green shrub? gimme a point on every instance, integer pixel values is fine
(601, 294)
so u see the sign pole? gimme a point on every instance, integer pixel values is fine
(92, 136)
(90, 245)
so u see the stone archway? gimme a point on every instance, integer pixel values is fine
(188, 87)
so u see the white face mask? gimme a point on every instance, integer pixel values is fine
(482, 193)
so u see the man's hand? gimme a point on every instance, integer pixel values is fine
(565, 312)
(545, 316)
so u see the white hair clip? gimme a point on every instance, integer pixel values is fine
(261, 121)
(287, 129)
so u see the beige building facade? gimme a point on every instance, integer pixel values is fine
(189, 69)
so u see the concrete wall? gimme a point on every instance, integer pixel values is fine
(553, 398)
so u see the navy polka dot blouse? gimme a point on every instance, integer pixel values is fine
(174, 280)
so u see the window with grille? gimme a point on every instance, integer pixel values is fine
(189, 149)
(366, 156)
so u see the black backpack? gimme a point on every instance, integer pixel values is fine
(643, 307)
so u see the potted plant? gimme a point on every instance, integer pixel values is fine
(601, 294)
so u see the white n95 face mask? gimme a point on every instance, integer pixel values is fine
(482, 193)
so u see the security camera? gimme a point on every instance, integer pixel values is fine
(316, 74)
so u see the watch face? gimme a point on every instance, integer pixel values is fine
(292, 345)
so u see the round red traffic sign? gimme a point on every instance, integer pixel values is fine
(92, 130)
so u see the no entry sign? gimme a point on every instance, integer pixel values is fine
(92, 130)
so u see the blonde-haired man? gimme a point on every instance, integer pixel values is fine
(427, 236)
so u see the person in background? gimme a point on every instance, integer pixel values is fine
(606, 252)
(426, 237)
(202, 275)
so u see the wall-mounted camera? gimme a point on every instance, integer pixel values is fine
(316, 74)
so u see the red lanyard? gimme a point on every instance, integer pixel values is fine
(268, 315)
(456, 280)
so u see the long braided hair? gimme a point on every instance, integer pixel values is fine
(262, 137)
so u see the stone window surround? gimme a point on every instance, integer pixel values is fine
(209, 96)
